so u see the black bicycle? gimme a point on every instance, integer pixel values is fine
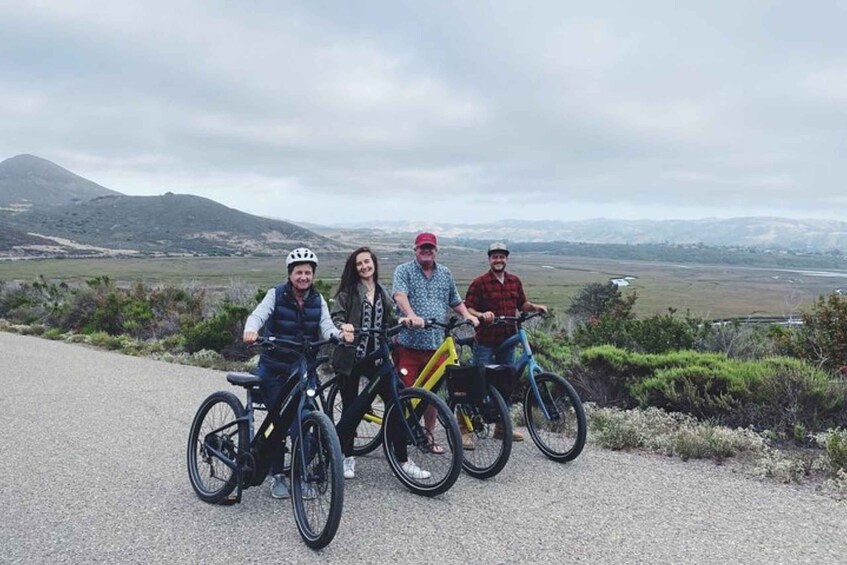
(225, 455)
(436, 448)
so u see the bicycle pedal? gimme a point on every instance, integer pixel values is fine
(230, 500)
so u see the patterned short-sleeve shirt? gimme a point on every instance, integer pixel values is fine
(429, 297)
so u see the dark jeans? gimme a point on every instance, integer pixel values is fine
(273, 381)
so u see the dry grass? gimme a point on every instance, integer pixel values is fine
(707, 291)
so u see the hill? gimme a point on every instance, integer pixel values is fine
(27, 181)
(46, 210)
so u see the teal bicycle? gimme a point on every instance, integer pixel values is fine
(553, 410)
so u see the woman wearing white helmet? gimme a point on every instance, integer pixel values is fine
(295, 311)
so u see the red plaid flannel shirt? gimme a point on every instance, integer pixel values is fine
(504, 299)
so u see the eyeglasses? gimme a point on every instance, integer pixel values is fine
(426, 248)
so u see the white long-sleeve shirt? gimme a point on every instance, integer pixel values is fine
(266, 307)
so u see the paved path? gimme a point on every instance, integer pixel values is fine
(93, 470)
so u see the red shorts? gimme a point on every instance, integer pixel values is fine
(410, 362)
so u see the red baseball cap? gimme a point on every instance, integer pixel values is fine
(426, 238)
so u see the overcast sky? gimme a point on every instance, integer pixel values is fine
(469, 112)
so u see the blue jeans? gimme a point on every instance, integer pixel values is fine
(484, 355)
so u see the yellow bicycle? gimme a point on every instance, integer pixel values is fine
(481, 412)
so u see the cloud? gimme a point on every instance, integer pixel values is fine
(438, 112)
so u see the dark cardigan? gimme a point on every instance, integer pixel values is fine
(347, 309)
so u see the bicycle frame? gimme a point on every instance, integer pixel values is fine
(526, 361)
(434, 370)
(432, 374)
(296, 396)
(359, 410)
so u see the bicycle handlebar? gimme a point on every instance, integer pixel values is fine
(297, 346)
(387, 332)
(523, 317)
(451, 325)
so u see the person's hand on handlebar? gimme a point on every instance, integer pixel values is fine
(250, 337)
(487, 317)
(413, 322)
(347, 333)
(474, 320)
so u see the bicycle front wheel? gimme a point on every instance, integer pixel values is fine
(317, 482)
(216, 432)
(486, 429)
(562, 436)
(368, 434)
(428, 461)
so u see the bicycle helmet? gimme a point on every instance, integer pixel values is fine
(301, 255)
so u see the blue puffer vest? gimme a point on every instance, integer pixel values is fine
(289, 321)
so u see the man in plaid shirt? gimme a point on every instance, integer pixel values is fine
(497, 293)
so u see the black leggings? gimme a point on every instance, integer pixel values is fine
(349, 388)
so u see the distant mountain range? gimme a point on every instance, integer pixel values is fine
(755, 232)
(46, 210)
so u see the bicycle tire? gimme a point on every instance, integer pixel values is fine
(317, 517)
(561, 440)
(210, 478)
(368, 435)
(489, 419)
(444, 467)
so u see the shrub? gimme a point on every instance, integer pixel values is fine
(783, 466)
(667, 433)
(834, 442)
(783, 394)
(104, 340)
(822, 338)
(220, 333)
(597, 300)
(737, 340)
(656, 334)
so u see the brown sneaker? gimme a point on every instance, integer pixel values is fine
(498, 434)
(467, 442)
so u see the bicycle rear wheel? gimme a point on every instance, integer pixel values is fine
(429, 462)
(317, 484)
(368, 435)
(216, 429)
(488, 426)
(562, 437)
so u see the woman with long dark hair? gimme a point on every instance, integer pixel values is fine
(361, 302)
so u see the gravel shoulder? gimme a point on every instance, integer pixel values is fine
(93, 471)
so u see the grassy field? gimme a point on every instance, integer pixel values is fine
(704, 290)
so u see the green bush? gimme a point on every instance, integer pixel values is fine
(822, 338)
(656, 334)
(834, 442)
(104, 340)
(221, 333)
(783, 394)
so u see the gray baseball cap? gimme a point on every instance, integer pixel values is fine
(498, 247)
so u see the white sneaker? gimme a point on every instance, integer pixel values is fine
(349, 467)
(414, 471)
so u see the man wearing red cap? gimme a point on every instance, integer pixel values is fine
(496, 293)
(424, 289)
